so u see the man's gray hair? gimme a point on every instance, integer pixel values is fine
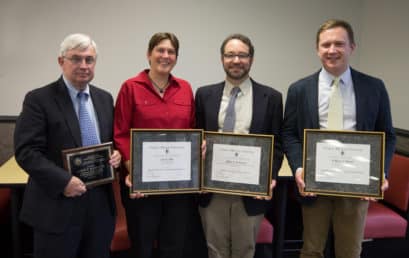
(77, 41)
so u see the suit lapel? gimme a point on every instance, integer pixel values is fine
(260, 102)
(63, 100)
(359, 99)
(312, 100)
(216, 97)
(99, 110)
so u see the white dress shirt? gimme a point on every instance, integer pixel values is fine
(243, 106)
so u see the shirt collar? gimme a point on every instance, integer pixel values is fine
(244, 86)
(345, 77)
(72, 90)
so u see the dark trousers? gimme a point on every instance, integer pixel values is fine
(157, 219)
(89, 234)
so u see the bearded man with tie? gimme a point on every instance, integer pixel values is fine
(238, 105)
(68, 219)
(340, 98)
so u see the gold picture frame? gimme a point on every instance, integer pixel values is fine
(344, 163)
(166, 161)
(238, 164)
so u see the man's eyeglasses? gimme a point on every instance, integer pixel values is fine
(78, 59)
(240, 56)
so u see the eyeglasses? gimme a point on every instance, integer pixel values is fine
(78, 59)
(240, 56)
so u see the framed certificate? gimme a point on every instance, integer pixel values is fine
(238, 164)
(344, 163)
(165, 161)
(90, 163)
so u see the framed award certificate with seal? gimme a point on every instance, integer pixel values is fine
(166, 161)
(344, 163)
(238, 164)
(90, 163)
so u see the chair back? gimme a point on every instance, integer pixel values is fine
(398, 192)
(120, 240)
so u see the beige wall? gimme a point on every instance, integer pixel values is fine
(283, 33)
(385, 51)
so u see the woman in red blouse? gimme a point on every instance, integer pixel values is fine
(155, 99)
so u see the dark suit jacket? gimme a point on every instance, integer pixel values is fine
(301, 112)
(266, 119)
(46, 126)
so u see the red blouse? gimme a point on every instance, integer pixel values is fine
(139, 106)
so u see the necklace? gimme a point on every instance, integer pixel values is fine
(159, 88)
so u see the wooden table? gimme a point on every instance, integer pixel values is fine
(12, 174)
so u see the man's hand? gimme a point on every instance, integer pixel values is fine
(115, 159)
(75, 187)
(267, 198)
(300, 183)
(384, 187)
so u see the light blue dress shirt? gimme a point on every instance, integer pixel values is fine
(73, 92)
(348, 98)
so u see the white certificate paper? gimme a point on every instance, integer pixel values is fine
(343, 163)
(166, 161)
(236, 164)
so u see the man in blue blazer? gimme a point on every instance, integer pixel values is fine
(231, 223)
(365, 107)
(68, 220)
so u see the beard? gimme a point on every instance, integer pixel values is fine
(237, 73)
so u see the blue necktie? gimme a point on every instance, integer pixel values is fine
(87, 127)
(230, 118)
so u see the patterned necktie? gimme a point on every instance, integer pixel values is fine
(87, 127)
(230, 119)
(335, 108)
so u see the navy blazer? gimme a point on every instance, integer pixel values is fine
(301, 112)
(266, 119)
(46, 126)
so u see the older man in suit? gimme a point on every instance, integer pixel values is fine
(231, 223)
(69, 219)
(364, 106)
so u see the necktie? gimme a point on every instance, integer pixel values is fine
(87, 127)
(335, 108)
(230, 119)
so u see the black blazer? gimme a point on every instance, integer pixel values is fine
(46, 126)
(266, 119)
(301, 112)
